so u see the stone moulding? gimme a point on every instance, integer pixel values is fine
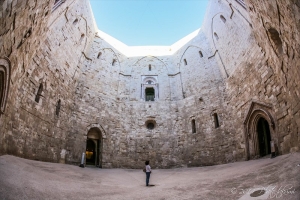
(96, 125)
(5, 73)
(57, 4)
(255, 112)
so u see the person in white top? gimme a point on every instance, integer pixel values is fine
(148, 172)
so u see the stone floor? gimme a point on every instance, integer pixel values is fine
(27, 179)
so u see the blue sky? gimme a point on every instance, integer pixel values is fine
(149, 22)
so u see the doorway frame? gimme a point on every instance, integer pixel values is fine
(256, 111)
(98, 141)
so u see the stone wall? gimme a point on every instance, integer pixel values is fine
(45, 47)
(243, 61)
(276, 29)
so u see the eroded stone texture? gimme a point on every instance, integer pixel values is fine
(243, 60)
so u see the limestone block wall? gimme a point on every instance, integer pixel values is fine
(44, 63)
(22, 30)
(276, 28)
(110, 96)
(66, 80)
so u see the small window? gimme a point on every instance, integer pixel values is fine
(216, 36)
(149, 82)
(275, 38)
(193, 126)
(75, 21)
(81, 37)
(216, 120)
(150, 124)
(200, 53)
(58, 108)
(113, 62)
(223, 18)
(185, 62)
(39, 93)
(149, 67)
(99, 55)
(149, 94)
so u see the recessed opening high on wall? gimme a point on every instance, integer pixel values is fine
(58, 107)
(75, 21)
(201, 54)
(39, 93)
(216, 36)
(99, 55)
(113, 62)
(81, 37)
(149, 67)
(216, 120)
(150, 124)
(185, 62)
(193, 126)
(275, 39)
(223, 18)
(150, 94)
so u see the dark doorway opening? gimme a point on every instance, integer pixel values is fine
(90, 152)
(93, 148)
(264, 137)
(2, 81)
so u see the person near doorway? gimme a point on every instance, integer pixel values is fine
(148, 172)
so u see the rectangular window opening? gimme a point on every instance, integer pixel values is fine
(185, 62)
(193, 126)
(149, 94)
(216, 120)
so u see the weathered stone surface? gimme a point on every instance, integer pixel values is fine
(241, 60)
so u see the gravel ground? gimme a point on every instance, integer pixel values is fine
(28, 179)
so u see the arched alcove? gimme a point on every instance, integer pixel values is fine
(275, 40)
(4, 82)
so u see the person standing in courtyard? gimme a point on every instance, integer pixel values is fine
(148, 172)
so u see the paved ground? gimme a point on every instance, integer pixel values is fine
(27, 179)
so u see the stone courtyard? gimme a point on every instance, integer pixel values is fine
(26, 179)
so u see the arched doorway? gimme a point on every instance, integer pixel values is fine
(4, 82)
(94, 147)
(260, 131)
(264, 137)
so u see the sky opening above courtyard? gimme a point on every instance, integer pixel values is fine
(149, 22)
